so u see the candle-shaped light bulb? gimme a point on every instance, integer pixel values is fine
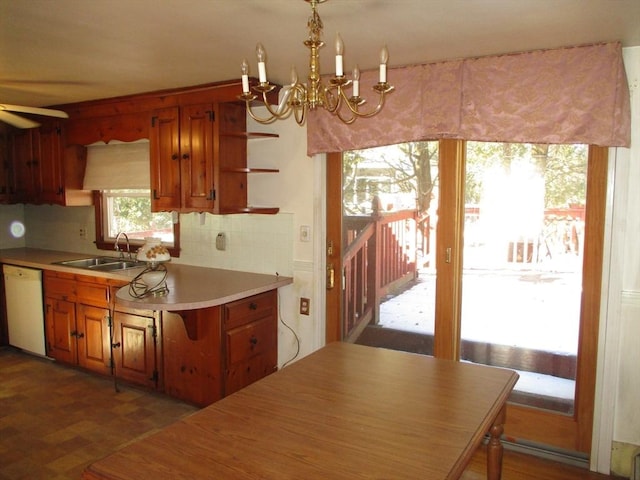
(339, 52)
(262, 70)
(294, 75)
(245, 76)
(260, 53)
(356, 81)
(384, 58)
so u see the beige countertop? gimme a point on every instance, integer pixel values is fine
(190, 287)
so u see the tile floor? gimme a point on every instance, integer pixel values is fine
(55, 420)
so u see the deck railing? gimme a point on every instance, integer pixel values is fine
(381, 255)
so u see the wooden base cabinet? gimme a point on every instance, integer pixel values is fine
(92, 338)
(210, 353)
(251, 344)
(135, 347)
(198, 356)
(191, 355)
(76, 321)
(60, 328)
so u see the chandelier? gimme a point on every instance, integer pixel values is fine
(298, 98)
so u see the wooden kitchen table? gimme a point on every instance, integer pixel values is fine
(344, 412)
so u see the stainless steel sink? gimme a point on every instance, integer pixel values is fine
(119, 265)
(102, 264)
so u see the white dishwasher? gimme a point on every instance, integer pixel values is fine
(25, 311)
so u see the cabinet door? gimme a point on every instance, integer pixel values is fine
(134, 351)
(164, 151)
(23, 152)
(60, 322)
(5, 183)
(50, 163)
(251, 353)
(196, 152)
(93, 338)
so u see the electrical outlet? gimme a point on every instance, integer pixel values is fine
(83, 232)
(304, 306)
(221, 241)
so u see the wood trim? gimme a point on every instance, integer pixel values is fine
(102, 244)
(591, 294)
(334, 235)
(452, 155)
(541, 426)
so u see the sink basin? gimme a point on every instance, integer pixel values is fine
(119, 265)
(102, 264)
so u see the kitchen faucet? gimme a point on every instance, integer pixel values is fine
(117, 248)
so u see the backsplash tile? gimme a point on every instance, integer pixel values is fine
(255, 243)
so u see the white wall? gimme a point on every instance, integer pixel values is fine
(618, 407)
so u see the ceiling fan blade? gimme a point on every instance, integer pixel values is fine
(35, 110)
(17, 121)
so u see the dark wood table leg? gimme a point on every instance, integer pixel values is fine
(495, 448)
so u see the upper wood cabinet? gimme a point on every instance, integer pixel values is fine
(4, 167)
(199, 159)
(50, 163)
(41, 169)
(198, 143)
(164, 150)
(181, 147)
(25, 173)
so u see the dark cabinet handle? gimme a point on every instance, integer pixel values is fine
(74, 333)
(253, 340)
(185, 156)
(80, 335)
(253, 306)
(174, 156)
(115, 345)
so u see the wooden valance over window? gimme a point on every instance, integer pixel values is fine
(567, 95)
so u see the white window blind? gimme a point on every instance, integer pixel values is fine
(117, 165)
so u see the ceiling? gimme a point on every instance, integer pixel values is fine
(56, 52)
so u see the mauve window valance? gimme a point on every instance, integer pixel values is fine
(567, 95)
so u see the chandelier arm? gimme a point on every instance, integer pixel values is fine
(300, 115)
(344, 119)
(328, 95)
(258, 119)
(371, 113)
(274, 113)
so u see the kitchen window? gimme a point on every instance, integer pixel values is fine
(129, 211)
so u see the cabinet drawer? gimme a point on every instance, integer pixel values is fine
(93, 294)
(249, 340)
(250, 309)
(62, 288)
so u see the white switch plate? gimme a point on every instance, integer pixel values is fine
(305, 233)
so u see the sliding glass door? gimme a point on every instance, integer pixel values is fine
(517, 258)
